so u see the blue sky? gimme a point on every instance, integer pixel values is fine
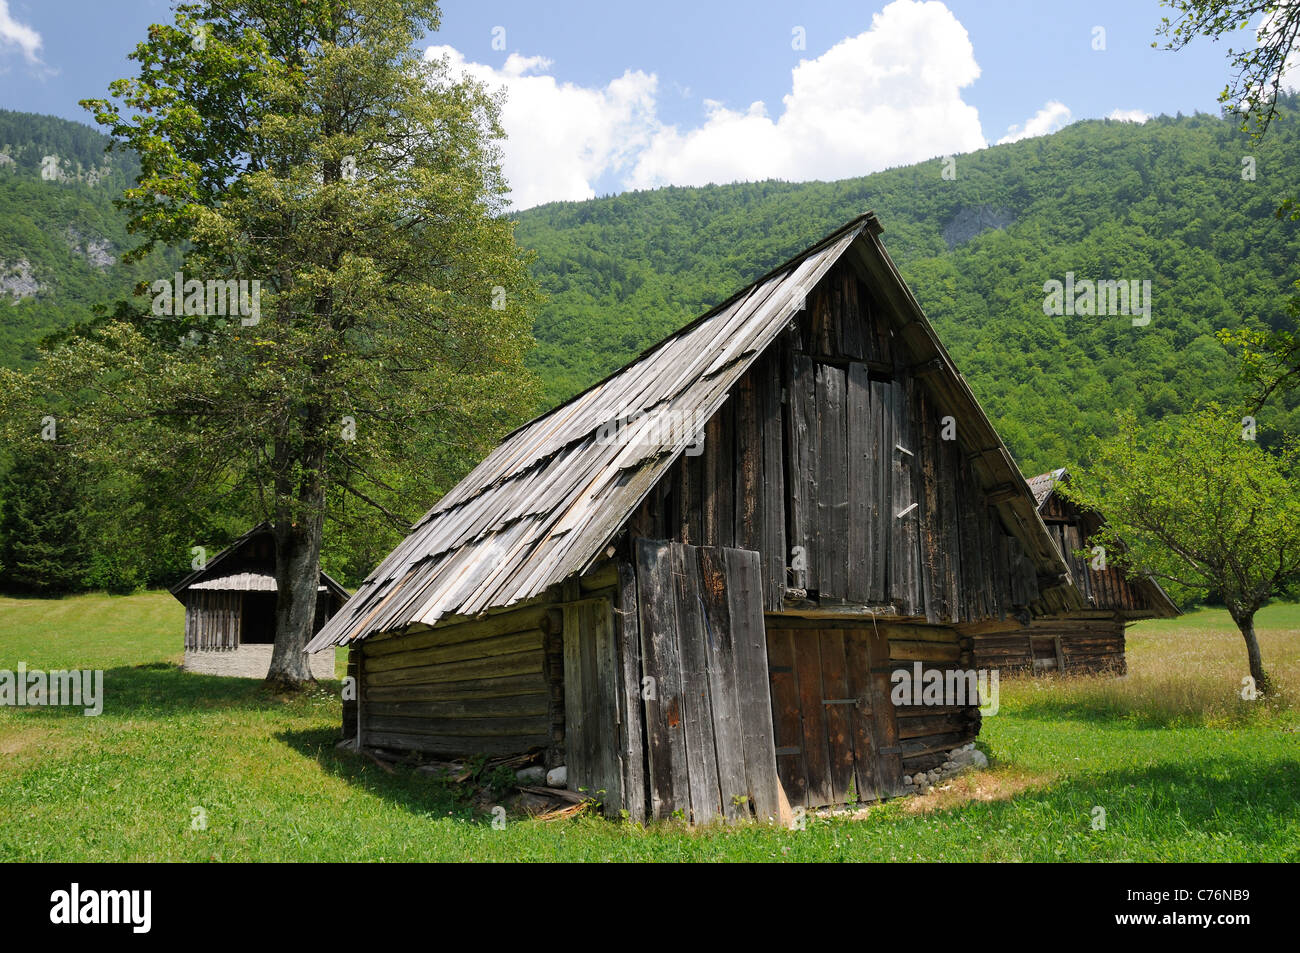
(603, 97)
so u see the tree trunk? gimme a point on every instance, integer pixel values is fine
(297, 576)
(1246, 623)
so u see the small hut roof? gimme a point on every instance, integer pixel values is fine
(229, 571)
(1043, 484)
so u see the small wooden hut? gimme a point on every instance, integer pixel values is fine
(1089, 640)
(230, 610)
(690, 583)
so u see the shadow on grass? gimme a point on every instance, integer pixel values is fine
(160, 689)
(1245, 798)
(418, 792)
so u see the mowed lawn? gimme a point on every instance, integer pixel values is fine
(1181, 766)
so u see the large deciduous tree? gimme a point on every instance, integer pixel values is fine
(353, 306)
(1196, 502)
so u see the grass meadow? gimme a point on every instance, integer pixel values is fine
(1183, 768)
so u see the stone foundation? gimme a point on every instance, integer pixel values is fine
(959, 760)
(250, 661)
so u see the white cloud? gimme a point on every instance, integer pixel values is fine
(562, 137)
(13, 33)
(1053, 116)
(888, 96)
(1269, 23)
(1129, 115)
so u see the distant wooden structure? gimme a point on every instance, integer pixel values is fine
(230, 610)
(1085, 641)
(691, 582)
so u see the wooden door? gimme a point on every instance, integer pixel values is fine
(836, 731)
(703, 655)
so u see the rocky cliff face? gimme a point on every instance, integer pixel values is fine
(973, 220)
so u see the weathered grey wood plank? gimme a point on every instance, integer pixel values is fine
(861, 474)
(745, 609)
(631, 713)
(724, 690)
(656, 605)
(697, 710)
(832, 484)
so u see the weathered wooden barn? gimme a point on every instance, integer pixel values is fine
(230, 610)
(691, 582)
(1089, 640)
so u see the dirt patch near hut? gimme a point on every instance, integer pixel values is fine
(998, 785)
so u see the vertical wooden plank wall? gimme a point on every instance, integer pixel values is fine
(830, 460)
(212, 619)
(708, 724)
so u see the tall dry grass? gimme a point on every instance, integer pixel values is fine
(1181, 672)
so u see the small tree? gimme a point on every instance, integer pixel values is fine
(1197, 502)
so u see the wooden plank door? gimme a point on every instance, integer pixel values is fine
(703, 654)
(835, 729)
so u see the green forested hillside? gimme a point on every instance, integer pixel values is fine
(1163, 201)
(60, 235)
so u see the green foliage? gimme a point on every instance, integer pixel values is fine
(309, 151)
(1259, 64)
(64, 232)
(42, 537)
(1195, 500)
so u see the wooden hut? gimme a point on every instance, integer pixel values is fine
(230, 610)
(1089, 640)
(690, 583)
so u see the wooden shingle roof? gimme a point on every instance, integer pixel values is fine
(545, 504)
(1043, 484)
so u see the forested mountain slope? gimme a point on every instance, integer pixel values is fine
(1165, 202)
(60, 235)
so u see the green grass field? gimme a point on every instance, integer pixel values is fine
(1183, 768)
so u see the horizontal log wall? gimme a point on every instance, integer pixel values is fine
(1075, 645)
(927, 733)
(830, 460)
(467, 688)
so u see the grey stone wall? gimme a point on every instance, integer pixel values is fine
(250, 661)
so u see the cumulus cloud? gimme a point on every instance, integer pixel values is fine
(1129, 115)
(13, 33)
(885, 97)
(1053, 116)
(888, 96)
(562, 137)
